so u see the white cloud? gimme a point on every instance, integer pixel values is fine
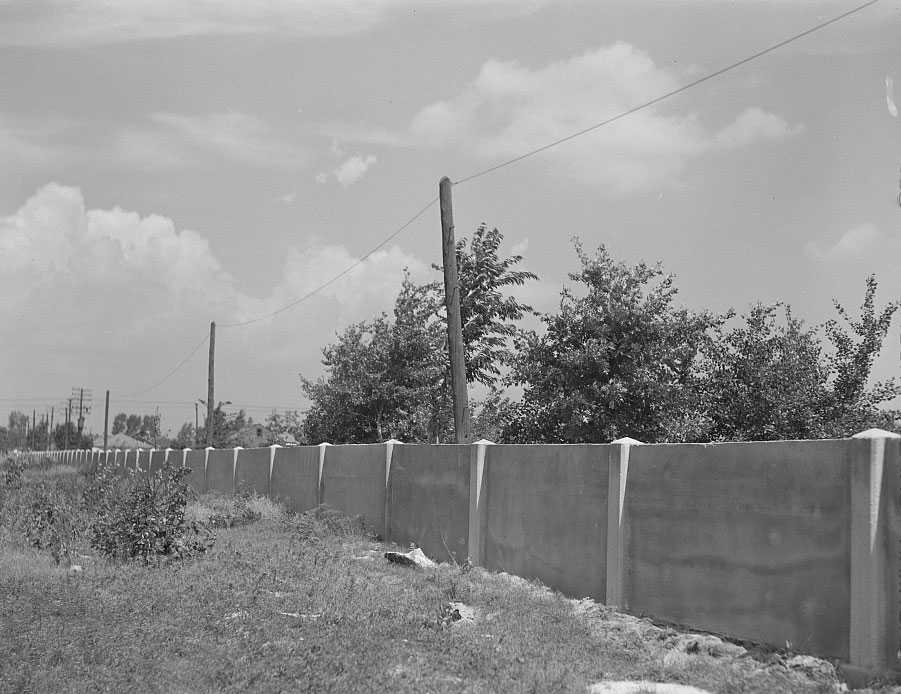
(116, 297)
(862, 241)
(509, 109)
(754, 124)
(349, 171)
(55, 22)
(353, 169)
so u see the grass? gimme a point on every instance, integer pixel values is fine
(308, 603)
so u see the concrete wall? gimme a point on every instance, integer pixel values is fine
(790, 541)
(428, 499)
(157, 460)
(196, 461)
(252, 470)
(353, 481)
(220, 471)
(748, 539)
(295, 477)
(545, 514)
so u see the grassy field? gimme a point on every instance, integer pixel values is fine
(308, 603)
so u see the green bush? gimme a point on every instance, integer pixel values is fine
(143, 516)
(50, 521)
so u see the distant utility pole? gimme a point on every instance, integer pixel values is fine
(80, 411)
(106, 421)
(454, 323)
(68, 419)
(210, 385)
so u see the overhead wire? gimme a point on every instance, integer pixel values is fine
(667, 95)
(359, 261)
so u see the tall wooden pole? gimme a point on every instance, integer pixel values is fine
(68, 416)
(454, 323)
(80, 412)
(210, 383)
(106, 420)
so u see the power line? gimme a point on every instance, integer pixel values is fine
(667, 95)
(341, 274)
(175, 369)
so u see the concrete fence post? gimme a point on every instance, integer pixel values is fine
(873, 641)
(477, 508)
(235, 452)
(206, 460)
(272, 449)
(616, 522)
(322, 447)
(389, 452)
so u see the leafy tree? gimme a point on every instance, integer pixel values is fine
(856, 343)
(765, 380)
(120, 423)
(226, 426)
(288, 423)
(74, 440)
(384, 379)
(185, 437)
(487, 314)
(616, 361)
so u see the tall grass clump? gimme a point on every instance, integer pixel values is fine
(137, 516)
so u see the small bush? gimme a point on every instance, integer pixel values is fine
(50, 521)
(140, 516)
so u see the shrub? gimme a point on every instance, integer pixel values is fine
(50, 521)
(143, 516)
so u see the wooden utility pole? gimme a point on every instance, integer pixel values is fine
(80, 411)
(454, 323)
(210, 383)
(106, 420)
(68, 417)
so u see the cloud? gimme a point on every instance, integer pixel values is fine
(861, 241)
(509, 109)
(353, 169)
(61, 22)
(349, 171)
(112, 296)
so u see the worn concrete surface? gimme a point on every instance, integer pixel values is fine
(252, 471)
(295, 477)
(428, 499)
(747, 539)
(220, 471)
(353, 481)
(546, 514)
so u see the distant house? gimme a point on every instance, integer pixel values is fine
(258, 436)
(120, 440)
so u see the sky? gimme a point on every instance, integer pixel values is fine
(167, 163)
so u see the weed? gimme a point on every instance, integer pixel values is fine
(143, 516)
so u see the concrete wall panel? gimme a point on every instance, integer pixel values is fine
(197, 478)
(157, 460)
(220, 471)
(142, 463)
(747, 539)
(252, 471)
(353, 481)
(429, 499)
(295, 477)
(546, 514)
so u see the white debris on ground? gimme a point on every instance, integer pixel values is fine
(415, 557)
(462, 613)
(644, 687)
